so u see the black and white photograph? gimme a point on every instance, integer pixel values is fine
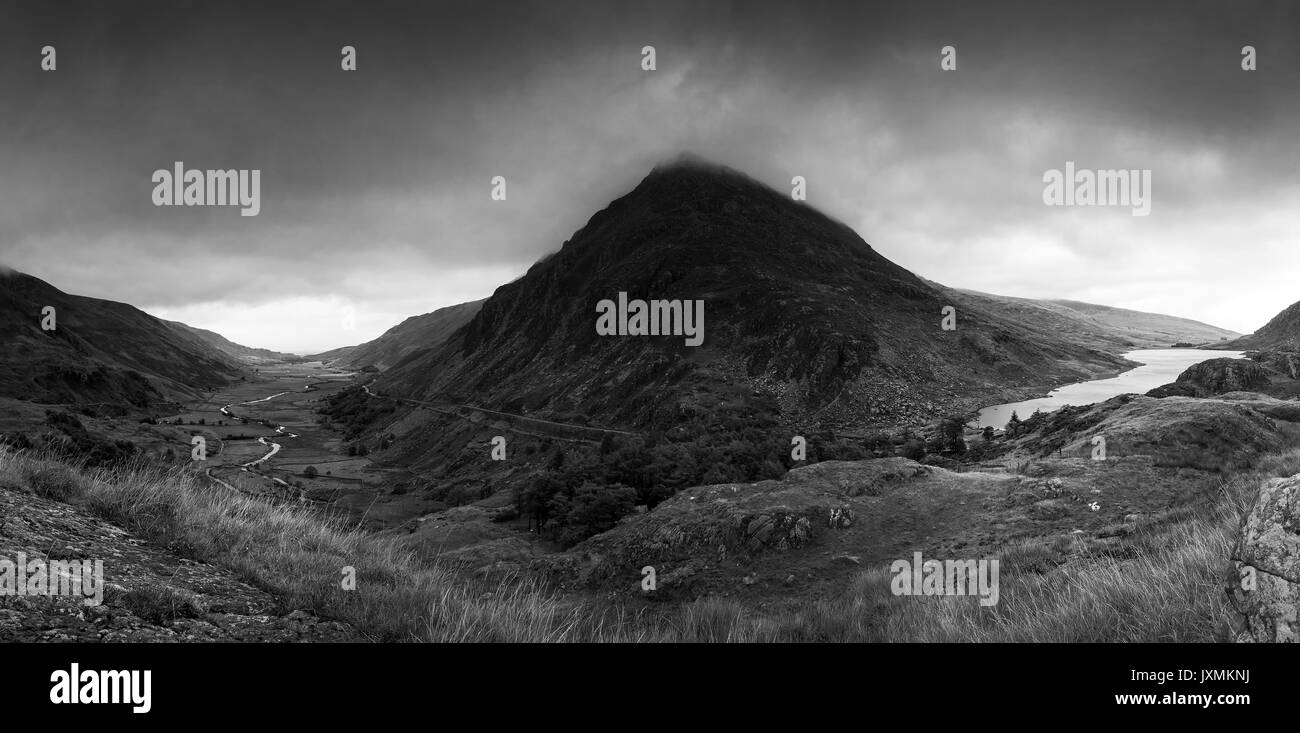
(369, 325)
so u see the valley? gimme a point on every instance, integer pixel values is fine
(270, 443)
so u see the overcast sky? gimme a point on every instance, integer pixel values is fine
(375, 183)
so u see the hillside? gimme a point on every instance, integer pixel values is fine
(1097, 326)
(1281, 333)
(1149, 329)
(799, 311)
(100, 351)
(415, 333)
(246, 354)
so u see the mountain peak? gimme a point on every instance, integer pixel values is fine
(688, 166)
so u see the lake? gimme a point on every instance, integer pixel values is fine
(1159, 366)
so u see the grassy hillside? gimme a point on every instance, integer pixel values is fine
(246, 354)
(416, 333)
(100, 350)
(1096, 326)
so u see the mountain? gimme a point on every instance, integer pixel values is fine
(99, 351)
(799, 311)
(1282, 333)
(416, 332)
(1097, 326)
(246, 354)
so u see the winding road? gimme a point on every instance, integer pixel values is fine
(449, 408)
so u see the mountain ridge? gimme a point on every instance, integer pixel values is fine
(99, 351)
(427, 330)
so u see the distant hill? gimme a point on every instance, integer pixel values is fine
(1282, 333)
(415, 333)
(1097, 326)
(101, 350)
(245, 354)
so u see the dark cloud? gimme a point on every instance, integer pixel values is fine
(375, 182)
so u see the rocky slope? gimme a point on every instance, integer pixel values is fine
(152, 594)
(1281, 333)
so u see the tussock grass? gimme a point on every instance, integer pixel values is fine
(157, 603)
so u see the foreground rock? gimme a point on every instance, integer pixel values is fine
(151, 593)
(1266, 588)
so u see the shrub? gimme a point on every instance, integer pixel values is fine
(913, 449)
(54, 482)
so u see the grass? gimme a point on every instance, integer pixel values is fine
(1162, 583)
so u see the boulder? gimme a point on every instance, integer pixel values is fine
(1265, 589)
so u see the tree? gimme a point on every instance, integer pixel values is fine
(951, 430)
(535, 499)
(557, 460)
(988, 432)
(309, 472)
(1013, 425)
(591, 510)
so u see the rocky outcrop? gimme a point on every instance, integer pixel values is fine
(1204, 433)
(1265, 589)
(1175, 389)
(706, 525)
(1283, 362)
(1214, 377)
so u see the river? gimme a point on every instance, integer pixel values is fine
(1159, 366)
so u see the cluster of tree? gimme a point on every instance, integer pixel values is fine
(354, 411)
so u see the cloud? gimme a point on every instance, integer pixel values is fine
(376, 183)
